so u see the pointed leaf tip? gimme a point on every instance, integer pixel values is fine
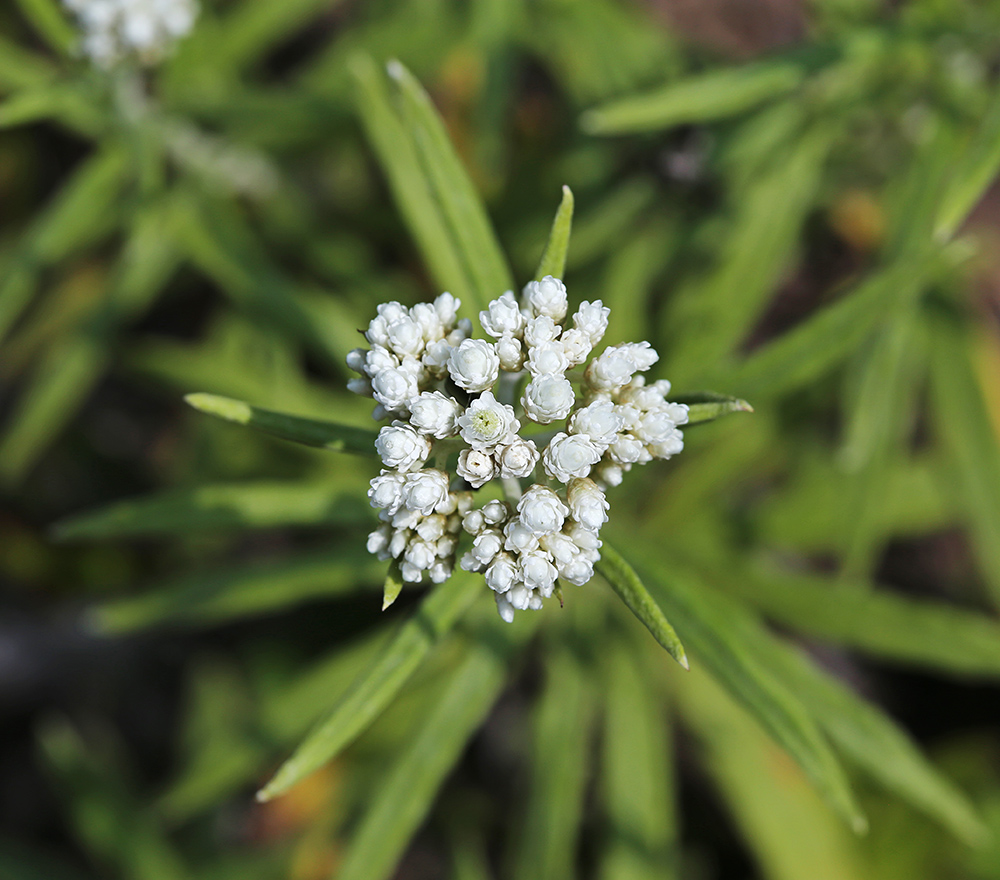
(224, 407)
(393, 585)
(553, 260)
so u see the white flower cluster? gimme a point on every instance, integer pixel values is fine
(113, 29)
(437, 385)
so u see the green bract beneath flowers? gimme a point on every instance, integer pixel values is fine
(437, 384)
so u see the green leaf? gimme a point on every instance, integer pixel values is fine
(707, 406)
(631, 590)
(393, 585)
(50, 22)
(705, 622)
(862, 732)
(552, 814)
(710, 96)
(224, 507)
(461, 205)
(553, 260)
(376, 688)
(637, 796)
(977, 168)
(962, 422)
(309, 432)
(210, 597)
(401, 802)
(934, 635)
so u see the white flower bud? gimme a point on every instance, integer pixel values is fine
(433, 413)
(538, 572)
(642, 353)
(587, 504)
(427, 318)
(517, 459)
(570, 455)
(540, 330)
(356, 359)
(474, 522)
(485, 422)
(475, 466)
(501, 575)
(397, 544)
(613, 369)
(420, 554)
(447, 308)
(586, 539)
(401, 448)
(518, 538)
(360, 386)
(511, 354)
(406, 337)
(435, 357)
(610, 474)
(503, 317)
(626, 450)
(486, 547)
(592, 319)
(519, 596)
(440, 571)
(379, 359)
(547, 297)
(561, 548)
(423, 491)
(548, 399)
(667, 446)
(394, 388)
(547, 359)
(577, 571)
(431, 528)
(600, 421)
(496, 512)
(541, 510)
(378, 329)
(504, 608)
(378, 541)
(576, 346)
(474, 365)
(386, 491)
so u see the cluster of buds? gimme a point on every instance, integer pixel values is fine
(146, 29)
(454, 400)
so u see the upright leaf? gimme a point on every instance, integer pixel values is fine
(553, 260)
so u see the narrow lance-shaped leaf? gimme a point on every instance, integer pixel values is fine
(210, 597)
(377, 687)
(707, 406)
(225, 506)
(402, 801)
(309, 432)
(708, 630)
(631, 590)
(553, 260)
(414, 196)
(48, 18)
(393, 584)
(714, 95)
(546, 844)
(461, 205)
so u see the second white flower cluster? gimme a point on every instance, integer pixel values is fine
(461, 401)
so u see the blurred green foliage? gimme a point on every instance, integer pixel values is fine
(790, 230)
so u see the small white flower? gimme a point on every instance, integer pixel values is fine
(599, 420)
(538, 572)
(504, 608)
(592, 319)
(547, 359)
(642, 353)
(511, 353)
(576, 346)
(562, 548)
(447, 308)
(394, 388)
(518, 537)
(495, 512)
(440, 571)
(501, 576)
(486, 547)
(540, 330)
(547, 297)
(425, 490)
(475, 466)
(626, 450)
(548, 399)
(433, 413)
(570, 455)
(435, 357)
(406, 337)
(587, 504)
(474, 365)
(541, 510)
(613, 369)
(401, 448)
(474, 522)
(668, 446)
(432, 528)
(378, 360)
(429, 321)
(486, 422)
(517, 459)
(386, 491)
(503, 317)
(578, 571)
(378, 541)
(356, 358)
